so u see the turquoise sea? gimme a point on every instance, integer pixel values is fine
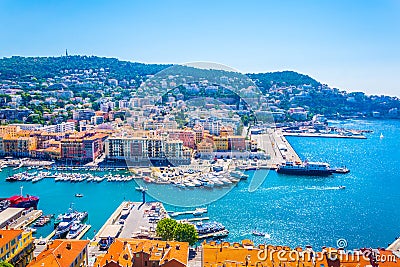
(295, 211)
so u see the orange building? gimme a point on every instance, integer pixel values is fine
(226, 131)
(143, 252)
(18, 146)
(63, 253)
(246, 254)
(10, 130)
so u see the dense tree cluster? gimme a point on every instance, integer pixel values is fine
(169, 229)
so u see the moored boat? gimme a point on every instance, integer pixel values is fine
(20, 201)
(258, 233)
(221, 234)
(75, 230)
(239, 175)
(65, 225)
(306, 168)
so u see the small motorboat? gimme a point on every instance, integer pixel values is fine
(341, 170)
(78, 195)
(258, 233)
(342, 187)
(221, 234)
(141, 189)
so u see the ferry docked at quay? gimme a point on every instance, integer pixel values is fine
(309, 168)
(19, 201)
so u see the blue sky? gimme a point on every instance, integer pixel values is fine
(350, 44)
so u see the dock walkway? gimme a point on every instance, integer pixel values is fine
(395, 246)
(84, 231)
(270, 143)
(26, 219)
(112, 219)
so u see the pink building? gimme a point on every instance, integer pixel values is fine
(236, 143)
(186, 136)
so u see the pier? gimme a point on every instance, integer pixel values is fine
(395, 246)
(84, 231)
(26, 219)
(134, 219)
(112, 219)
(47, 238)
(274, 143)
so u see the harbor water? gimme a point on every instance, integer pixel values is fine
(293, 210)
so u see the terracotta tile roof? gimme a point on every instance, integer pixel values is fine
(8, 235)
(247, 254)
(60, 253)
(123, 250)
(52, 149)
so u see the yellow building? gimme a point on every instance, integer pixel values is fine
(63, 253)
(221, 143)
(16, 247)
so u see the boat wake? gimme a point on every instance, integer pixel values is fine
(280, 188)
(324, 188)
(297, 188)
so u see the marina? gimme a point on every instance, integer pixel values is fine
(210, 174)
(309, 194)
(74, 177)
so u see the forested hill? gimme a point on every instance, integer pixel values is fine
(282, 78)
(47, 67)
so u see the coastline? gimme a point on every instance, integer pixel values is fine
(324, 135)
